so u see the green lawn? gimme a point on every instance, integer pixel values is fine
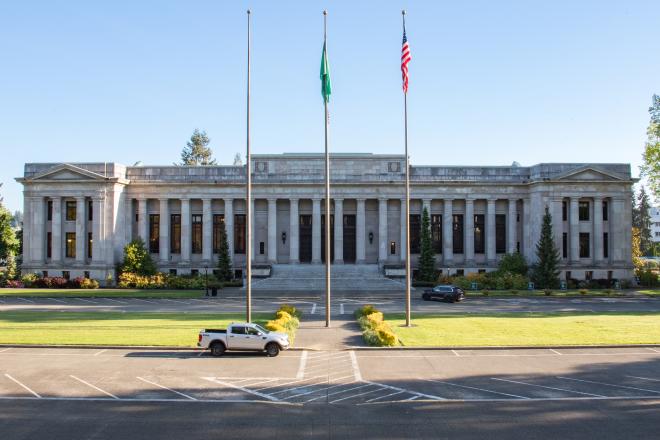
(650, 292)
(112, 328)
(528, 329)
(111, 293)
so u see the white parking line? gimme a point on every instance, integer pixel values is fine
(653, 350)
(302, 386)
(58, 300)
(356, 367)
(84, 300)
(113, 300)
(165, 388)
(609, 384)
(288, 383)
(5, 349)
(456, 353)
(382, 397)
(313, 309)
(428, 396)
(229, 385)
(644, 378)
(143, 300)
(339, 392)
(26, 300)
(555, 351)
(356, 395)
(22, 385)
(93, 386)
(550, 388)
(341, 309)
(301, 368)
(100, 352)
(476, 389)
(317, 390)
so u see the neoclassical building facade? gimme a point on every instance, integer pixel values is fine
(78, 217)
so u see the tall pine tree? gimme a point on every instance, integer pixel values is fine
(546, 271)
(197, 151)
(644, 221)
(224, 272)
(426, 255)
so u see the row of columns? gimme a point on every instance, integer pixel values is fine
(597, 230)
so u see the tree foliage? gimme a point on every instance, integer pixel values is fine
(651, 158)
(642, 221)
(636, 250)
(225, 272)
(426, 255)
(197, 152)
(238, 160)
(137, 259)
(513, 263)
(546, 270)
(9, 243)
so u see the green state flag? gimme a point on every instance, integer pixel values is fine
(326, 88)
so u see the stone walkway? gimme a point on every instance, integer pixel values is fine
(313, 334)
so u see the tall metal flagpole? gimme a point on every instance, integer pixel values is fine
(327, 193)
(248, 196)
(405, 118)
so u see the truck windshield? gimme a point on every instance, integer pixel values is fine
(261, 329)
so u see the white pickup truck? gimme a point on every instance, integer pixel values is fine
(243, 336)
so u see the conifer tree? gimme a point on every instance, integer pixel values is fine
(426, 255)
(546, 271)
(197, 152)
(225, 272)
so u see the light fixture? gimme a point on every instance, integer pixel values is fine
(283, 237)
(371, 237)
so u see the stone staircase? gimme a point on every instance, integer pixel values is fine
(311, 277)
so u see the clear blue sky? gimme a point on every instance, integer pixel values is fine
(491, 82)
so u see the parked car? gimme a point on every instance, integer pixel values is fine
(244, 337)
(444, 292)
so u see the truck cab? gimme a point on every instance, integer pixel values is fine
(243, 337)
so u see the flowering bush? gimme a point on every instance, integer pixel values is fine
(29, 279)
(129, 280)
(14, 284)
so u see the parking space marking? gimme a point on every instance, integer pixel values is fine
(653, 350)
(302, 386)
(317, 390)
(382, 397)
(143, 300)
(113, 300)
(418, 394)
(57, 300)
(289, 383)
(26, 300)
(25, 387)
(456, 353)
(313, 309)
(5, 349)
(84, 300)
(247, 390)
(100, 352)
(338, 392)
(356, 366)
(356, 395)
(550, 388)
(341, 309)
(165, 388)
(303, 362)
(93, 386)
(555, 351)
(476, 389)
(644, 378)
(609, 384)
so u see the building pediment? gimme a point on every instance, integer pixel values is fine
(67, 172)
(588, 173)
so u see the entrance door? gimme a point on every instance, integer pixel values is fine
(332, 238)
(349, 238)
(305, 237)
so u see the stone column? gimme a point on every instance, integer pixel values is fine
(597, 238)
(339, 231)
(469, 232)
(164, 231)
(34, 224)
(556, 209)
(207, 231)
(527, 242)
(511, 230)
(402, 241)
(81, 239)
(56, 231)
(360, 232)
(186, 233)
(447, 232)
(98, 245)
(574, 230)
(316, 230)
(272, 230)
(382, 231)
(490, 231)
(294, 228)
(143, 225)
(229, 226)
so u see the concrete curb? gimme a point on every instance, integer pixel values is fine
(123, 347)
(501, 347)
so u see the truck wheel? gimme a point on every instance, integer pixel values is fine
(272, 349)
(218, 349)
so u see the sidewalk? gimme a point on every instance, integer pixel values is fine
(343, 333)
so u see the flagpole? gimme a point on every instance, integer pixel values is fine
(327, 193)
(248, 196)
(405, 124)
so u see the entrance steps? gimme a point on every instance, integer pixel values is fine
(311, 277)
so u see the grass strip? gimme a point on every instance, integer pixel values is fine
(528, 329)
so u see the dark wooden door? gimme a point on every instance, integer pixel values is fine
(349, 238)
(332, 238)
(305, 239)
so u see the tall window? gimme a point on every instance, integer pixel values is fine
(239, 233)
(70, 211)
(415, 229)
(605, 210)
(584, 245)
(154, 233)
(197, 234)
(479, 236)
(436, 233)
(49, 245)
(70, 245)
(583, 210)
(90, 242)
(564, 245)
(606, 245)
(90, 210)
(500, 233)
(218, 226)
(175, 233)
(564, 211)
(49, 210)
(457, 228)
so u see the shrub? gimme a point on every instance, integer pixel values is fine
(137, 259)
(513, 263)
(128, 280)
(583, 291)
(284, 322)
(375, 331)
(485, 292)
(29, 279)
(233, 283)
(14, 284)
(547, 292)
(365, 310)
(89, 283)
(291, 310)
(648, 278)
(275, 327)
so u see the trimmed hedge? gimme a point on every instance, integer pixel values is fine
(375, 331)
(286, 321)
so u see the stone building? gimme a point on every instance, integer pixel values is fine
(78, 217)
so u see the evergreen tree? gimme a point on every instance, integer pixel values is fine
(238, 161)
(426, 255)
(546, 271)
(644, 221)
(8, 241)
(137, 259)
(225, 272)
(651, 165)
(197, 151)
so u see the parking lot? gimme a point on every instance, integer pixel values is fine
(332, 377)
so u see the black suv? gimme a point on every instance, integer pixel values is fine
(446, 293)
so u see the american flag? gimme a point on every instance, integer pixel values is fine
(405, 59)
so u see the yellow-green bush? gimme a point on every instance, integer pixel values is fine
(275, 327)
(291, 310)
(365, 310)
(285, 322)
(375, 330)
